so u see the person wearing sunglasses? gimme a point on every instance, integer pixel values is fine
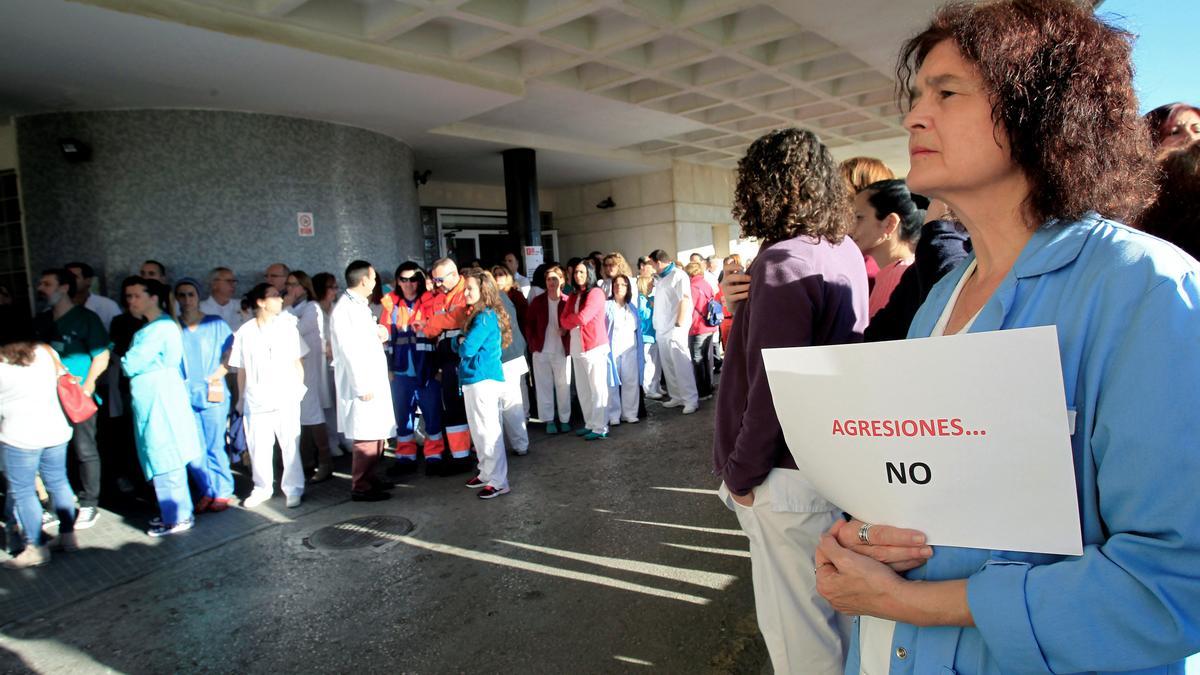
(411, 364)
(443, 320)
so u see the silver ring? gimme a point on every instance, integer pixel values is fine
(864, 533)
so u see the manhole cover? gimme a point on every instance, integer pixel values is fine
(360, 532)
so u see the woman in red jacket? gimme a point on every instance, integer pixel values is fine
(584, 318)
(551, 351)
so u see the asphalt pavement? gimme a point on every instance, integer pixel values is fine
(607, 556)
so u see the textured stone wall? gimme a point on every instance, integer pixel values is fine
(197, 188)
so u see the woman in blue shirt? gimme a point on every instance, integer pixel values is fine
(1023, 119)
(480, 370)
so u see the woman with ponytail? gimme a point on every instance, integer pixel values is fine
(887, 225)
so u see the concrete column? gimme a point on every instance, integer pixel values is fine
(521, 199)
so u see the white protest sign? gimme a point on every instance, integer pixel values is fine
(533, 258)
(963, 437)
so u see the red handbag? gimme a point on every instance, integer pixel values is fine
(77, 405)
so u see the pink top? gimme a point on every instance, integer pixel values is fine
(885, 283)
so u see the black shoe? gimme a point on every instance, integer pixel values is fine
(370, 496)
(381, 485)
(434, 468)
(398, 469)
(456, 466)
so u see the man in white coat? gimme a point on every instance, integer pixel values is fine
(360, 374)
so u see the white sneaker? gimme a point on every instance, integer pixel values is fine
(632, 420)
(87, 517)
(673, 403)
(293, 501)
(689, 409)
(256, 498)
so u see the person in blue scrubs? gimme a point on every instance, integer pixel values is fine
(1023, 119)
(164, 426)
(207, 339)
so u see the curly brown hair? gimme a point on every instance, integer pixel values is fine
(787, 186)
(1061, 81)
(1175, 216)
(489, 298)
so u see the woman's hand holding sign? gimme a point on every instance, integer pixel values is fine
(857, 567)
(857, 563)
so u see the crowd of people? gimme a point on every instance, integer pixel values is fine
(1036, 196)
(447, 366)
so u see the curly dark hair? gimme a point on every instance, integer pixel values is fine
(788, 185)
(1175, 216)
(1062, 85)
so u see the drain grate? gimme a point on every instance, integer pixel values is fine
(359, 533)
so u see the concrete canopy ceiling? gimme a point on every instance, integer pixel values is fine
(600, 88)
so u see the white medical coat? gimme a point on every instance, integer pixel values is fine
(360, 368)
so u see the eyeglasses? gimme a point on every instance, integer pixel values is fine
(410, 280)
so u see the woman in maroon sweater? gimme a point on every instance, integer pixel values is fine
(807, 287)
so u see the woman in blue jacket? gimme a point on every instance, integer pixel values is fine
(482, 375)
(1025, 122)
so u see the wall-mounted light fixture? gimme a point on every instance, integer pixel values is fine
(75, 150)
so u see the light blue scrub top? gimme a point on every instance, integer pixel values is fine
(1127, 309)
(202, 351)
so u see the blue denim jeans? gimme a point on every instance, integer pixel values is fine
(22, 468)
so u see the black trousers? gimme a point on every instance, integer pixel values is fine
(88, 455)
(701, 347)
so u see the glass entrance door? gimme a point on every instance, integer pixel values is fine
(467, 235)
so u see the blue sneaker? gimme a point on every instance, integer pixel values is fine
(551, 428)
(582, 431)
(593, 436)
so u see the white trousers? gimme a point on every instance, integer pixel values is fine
(512, 404)
(483, 417)
(623, 399)
(591, 383)
(552, 380)
(653, 371)
(676, 359)
(804, 635)
(262, 430)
